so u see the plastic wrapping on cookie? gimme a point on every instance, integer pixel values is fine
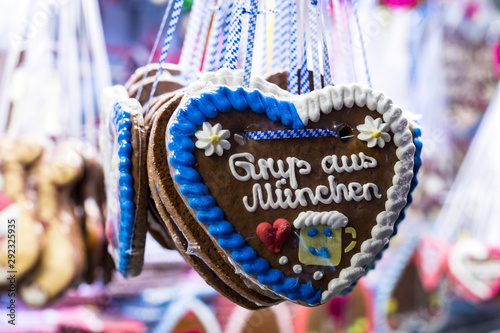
(120, 190)
(316, 231)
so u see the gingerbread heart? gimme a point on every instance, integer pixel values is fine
(123, 149)
(337, 163)
(274, 235)
(430, 259)
(474, 268)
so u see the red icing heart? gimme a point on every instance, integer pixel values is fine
(274, 236)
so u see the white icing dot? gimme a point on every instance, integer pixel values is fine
(283, 260)
(317, 275)
(297, 269)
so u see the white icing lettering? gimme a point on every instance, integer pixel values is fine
(304, 196)
(331, 164)
(268, 166)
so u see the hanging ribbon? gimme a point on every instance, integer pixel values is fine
(305, 85)
(292, 76)
(351, 49)
(227, 31)
(367, 72)
(340, 33)
(155, 46)
(195, 66)
(252, 22)
(213, 56)
(176, 13)
(263, 31)
(193, 31)
(313, 30)
(231, 56)
(281, 36)
(327, 73)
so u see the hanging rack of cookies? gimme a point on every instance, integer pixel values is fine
(187, 156)
(53, 180)
(239, 166)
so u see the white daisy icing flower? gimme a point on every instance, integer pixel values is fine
(213, 139)
(374, 132)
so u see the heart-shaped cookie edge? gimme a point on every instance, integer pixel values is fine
(119, 113)
(461, 282)
(306, 108)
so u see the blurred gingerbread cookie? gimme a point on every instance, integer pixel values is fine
(19, 159)
(62, 259)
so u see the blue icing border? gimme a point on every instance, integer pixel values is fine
(123, 126)
(417, 163)
(207, 105)
(182, 159)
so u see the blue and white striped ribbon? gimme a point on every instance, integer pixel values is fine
(305, 85)
(231, 57)
(355, 8)
(227, 35)
(176, 13)
(327, 73)
(212, 54)
(263, 66)
(252, 23)
(206, 15)
(155, 46)
(285, 35)
(289, 134)
(192, 32)
(293, 73)
(279, 36)
(313, 25)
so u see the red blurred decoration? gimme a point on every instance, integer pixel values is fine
(471, 9)
(394, 4)
(496, 58)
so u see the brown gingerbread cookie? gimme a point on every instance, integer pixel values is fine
(150, 71)
(299, 194)
(63, 257)
(143, 80)
(90, 200)
(123, 147)
(20, 158)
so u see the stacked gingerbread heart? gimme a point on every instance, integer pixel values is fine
(288, 188)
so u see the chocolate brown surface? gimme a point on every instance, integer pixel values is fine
(281, 80)
(156, 105)
(229, 192)
(412, 300)
(166, 197)
(152, 69)
(163, 87)
(157, 228)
